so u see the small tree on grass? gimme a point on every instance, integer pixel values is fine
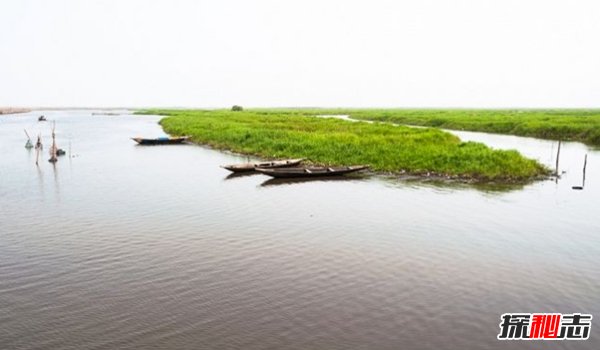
(237, 108)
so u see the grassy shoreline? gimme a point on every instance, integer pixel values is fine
(555, 124)
(386, 148)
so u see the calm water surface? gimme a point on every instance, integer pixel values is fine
(126, 247)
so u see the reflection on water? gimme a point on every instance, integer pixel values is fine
(40, 176)
(149, 247)
(322, 179)
(233, 176)
(419, 182)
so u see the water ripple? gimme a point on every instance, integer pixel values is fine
(128, 247)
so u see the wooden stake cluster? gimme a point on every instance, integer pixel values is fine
(53, 148)
(28, 144)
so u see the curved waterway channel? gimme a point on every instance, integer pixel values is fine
(119, 246)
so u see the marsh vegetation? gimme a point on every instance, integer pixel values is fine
(386, 148)
(561, 124)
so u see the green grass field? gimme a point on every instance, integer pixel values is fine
(573, 124)
(386, 148)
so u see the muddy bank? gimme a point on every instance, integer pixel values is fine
(10, 110)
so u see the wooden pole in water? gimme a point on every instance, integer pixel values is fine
(28, 144)
(53, 148)
(582, 182)
(584, 166)
(557, 157)
(38, 148)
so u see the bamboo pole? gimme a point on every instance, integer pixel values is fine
(28, 144)
(558, 158)
(583, 181)
(584, 166)
(38, 148)
(53, 149)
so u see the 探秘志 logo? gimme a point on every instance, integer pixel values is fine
(525, 326)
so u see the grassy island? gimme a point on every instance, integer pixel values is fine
(386, 148)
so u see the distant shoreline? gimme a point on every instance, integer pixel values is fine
(7, 110)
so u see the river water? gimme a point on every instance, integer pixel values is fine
(120, 246)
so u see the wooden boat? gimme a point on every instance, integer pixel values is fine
(311, 171)
(245, 167)
(160, 140)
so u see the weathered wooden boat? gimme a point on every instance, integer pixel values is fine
(311, 171)
(246, 167)
(160, 140)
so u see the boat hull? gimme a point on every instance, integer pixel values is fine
(160, 141)
(310, 172)
(248, 167)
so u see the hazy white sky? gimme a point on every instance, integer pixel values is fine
(421, 53)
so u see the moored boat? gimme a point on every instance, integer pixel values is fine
(246, 167)
(160, 140)
(311, 171)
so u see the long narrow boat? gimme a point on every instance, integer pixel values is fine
(245, 167)
(311, 171)
(160, 140)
